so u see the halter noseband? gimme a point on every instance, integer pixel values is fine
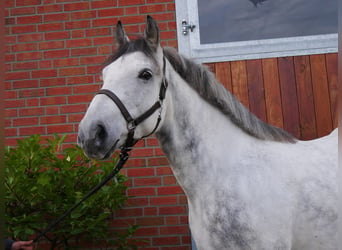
(133, 123)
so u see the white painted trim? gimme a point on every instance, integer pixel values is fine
(292, 46)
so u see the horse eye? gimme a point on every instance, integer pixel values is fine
(145, 75)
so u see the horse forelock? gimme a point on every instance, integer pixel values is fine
(139, 44)
(204, 82)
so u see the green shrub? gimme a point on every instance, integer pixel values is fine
(42, 181)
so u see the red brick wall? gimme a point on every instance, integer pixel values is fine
(54, 50)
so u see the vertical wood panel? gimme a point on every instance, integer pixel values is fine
(289, 95)
(321, 95)
(256, 89)
(305, 98)
(272, 92)
(239, 81)
(331, 61)
(223, 74)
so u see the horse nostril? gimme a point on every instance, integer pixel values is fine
(101, 133)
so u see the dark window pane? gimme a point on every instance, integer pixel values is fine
(243, 20)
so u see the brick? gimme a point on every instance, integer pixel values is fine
(130, 2)
(22, 11)
(170, 240)
(45, 73)
(24, 47)
(25, 121)
(83, 15)
(110, 12)
(163, 200)
(78, 24)
(158, 161)
(52, 82)
(56, 17)
(169, 180)
(80, 99)
(145, 191)
(25, 65)
(52, 110)
(29, 19)
(51, 45)
(36, 37)
(31, 130)
(155, 181)
(17, 75)
(46, 27)
(52, 100)
(170, 190)
(27, 2)
(152, 8)
(72, 80)
(98, 22)
(76, 6)
(32, 102)
(92, 60)
(52, 119)
(48, 8)
(32, 111)
(23, 29)
(57, 53)
(181, 229)
(150, 231)
(103, 4)
(58, 91)
(172, 210)
(71, 71)
(29, 56)
(137, 201)
(164, 171)
(83, 89)
(151, 211)
(150, 221)
(133, 19)
(98, 32)
(60, 129)
(76, 108)
(43, 64)
(66, 62)
(58, 35)
(142, 152)
(103, 40)
(77, 34)
(85, 42)
(24, 93)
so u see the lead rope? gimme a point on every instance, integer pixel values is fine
(123, 158)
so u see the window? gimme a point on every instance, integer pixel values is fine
(227, 30)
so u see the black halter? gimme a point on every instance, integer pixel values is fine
(133, 123)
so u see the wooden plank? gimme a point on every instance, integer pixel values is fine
(305, 98)
(272, 92)
(321, 95)
(331, 61)
(223, 74)
(256, 89)
(239, 81)
(289, 95)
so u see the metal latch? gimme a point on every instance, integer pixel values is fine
(186, 27)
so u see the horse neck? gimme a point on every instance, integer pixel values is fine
(194, 134)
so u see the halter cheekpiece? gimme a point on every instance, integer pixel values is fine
(133, 123)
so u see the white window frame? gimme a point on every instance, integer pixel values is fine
(189, 45)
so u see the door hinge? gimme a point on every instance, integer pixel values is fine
(186, 27)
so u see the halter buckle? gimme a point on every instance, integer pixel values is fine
(131, 125)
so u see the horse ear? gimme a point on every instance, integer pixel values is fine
(152, 32)
(121, 37)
